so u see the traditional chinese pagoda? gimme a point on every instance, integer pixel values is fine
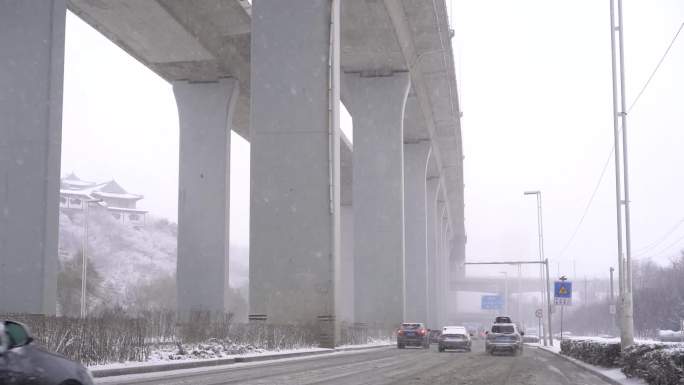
(75, 194)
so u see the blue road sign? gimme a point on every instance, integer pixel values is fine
(492, 302)
(562, 292)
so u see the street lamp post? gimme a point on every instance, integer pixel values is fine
(506, 308)
(544, 289)
(84, 260)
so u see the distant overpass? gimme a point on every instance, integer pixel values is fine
(497, 284)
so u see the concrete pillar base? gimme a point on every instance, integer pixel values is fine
(205, 114)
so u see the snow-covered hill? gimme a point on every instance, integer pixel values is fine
(136, 265)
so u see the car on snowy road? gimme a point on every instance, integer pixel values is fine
(434, 336)
(454, 339)
(413, 334)
(22, 361)
(504, 337)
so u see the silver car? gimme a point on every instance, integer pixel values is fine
(454, 340)
(504, 337)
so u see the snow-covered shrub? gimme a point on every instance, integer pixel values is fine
(658, 364)
(596, 351)
(355, 334)
(109, 338)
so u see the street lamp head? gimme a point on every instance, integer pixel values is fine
(532, 192)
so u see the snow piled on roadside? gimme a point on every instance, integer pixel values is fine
(373, 342)
(215, 350)
(209, 351)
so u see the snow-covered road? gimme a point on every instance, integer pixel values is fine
(385, 366)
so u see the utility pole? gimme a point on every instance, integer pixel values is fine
(548, 302)
(612, 300)
(506, 307)
(84, 260)
(626, 310)
(611, 285)
(544, 286)
(518, 315)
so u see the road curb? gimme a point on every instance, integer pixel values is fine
(280, 356)
(153, 368)
(582, 365)
(98, 373)
(355, 348)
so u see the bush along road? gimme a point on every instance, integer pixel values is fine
(658, 363)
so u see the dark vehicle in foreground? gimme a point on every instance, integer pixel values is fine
(454, 339)
(504, 337)
(23, 362)
(413, 334)
(434, 336)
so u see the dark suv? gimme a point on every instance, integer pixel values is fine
(413, 334)
(435, 335)
(23, 362)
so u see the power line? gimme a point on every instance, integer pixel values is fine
(671, 244)
(591, 200)
(656, 68)
(612, 149)
(644, 250)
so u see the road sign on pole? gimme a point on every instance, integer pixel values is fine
(538, 313)
(491, 302)
(562, 292)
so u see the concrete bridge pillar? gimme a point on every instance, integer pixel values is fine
(205, 111)
(294, 214)
(31, 84)
(432, 186)
(442, 264)
(415, 225)
(440, 232)
(457, 256)
(345, 290)
(377, 107)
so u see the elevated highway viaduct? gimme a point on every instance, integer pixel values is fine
(370, 233)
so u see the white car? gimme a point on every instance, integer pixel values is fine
(454, 337)
(454, 330)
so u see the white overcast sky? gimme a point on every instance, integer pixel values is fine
(534, 80)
